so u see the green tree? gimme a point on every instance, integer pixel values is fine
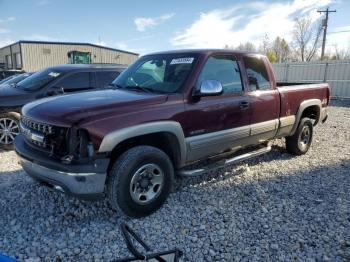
(271, 56)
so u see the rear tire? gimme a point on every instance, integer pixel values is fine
(300, 142)
(9, 129)
(140, 181)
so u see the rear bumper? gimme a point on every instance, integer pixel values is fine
(86, 181)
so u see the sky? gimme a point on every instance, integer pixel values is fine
(148, 26)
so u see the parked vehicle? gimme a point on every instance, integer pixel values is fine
(7, 79)
(167, 111)
(51, 81)
(8, 73)
(13, 80)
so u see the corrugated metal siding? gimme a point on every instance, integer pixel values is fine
(7, 51)
(34, 58)
(336, 73)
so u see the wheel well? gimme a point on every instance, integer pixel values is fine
(312, 112)
(164, 141)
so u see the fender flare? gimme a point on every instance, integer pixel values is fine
(112, 139)
(305, 104)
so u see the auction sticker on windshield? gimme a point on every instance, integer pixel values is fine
(183, 60)
(54, 74)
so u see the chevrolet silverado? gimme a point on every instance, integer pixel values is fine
(169, 113)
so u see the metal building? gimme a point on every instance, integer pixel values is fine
(32, 56)
(334, 72)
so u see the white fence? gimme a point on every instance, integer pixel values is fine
(336, 73)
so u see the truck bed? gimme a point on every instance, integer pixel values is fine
(292, 97)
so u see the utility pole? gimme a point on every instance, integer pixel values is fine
(325, 25)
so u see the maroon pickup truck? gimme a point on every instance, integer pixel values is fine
(165, 115)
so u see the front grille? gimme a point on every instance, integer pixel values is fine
(44, 137)
(36, 126)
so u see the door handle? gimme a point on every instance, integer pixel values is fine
(244, 105)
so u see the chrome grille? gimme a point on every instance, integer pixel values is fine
(40, 127)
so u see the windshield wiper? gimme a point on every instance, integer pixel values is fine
(141, 88)
(115, 86)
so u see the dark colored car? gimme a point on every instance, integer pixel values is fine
(8, 73)
(53, 81)
(13, 80)
(168, 111)
(7, 79)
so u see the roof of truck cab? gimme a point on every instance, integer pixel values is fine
(70, 67)
(204, 51)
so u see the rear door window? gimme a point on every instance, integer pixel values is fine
(257, 74)
(76, 82)
(104, 78)
(223, 69)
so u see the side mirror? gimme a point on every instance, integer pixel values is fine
(210, 88)
(55, 90)
(253, 83)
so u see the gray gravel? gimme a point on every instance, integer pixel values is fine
(276, 207)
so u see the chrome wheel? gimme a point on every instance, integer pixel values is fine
(8, 131)
(304, 137)
(146, 183)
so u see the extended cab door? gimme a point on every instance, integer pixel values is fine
(217, 123)
(264, 99)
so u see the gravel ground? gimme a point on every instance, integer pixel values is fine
(275, 207)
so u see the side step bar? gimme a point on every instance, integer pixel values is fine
(225, 163)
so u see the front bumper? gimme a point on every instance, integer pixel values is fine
(86, 181)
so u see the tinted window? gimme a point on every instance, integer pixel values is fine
(163, 73)
(17, 79)
(104, 78)
(257, 74)
(7, 79)
(224, 69)
(75, 81)
(38, 80)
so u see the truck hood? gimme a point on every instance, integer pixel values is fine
(72, 109)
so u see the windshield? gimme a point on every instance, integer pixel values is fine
(7, 79)
(17, 79)
(37, 80)
(163, 73)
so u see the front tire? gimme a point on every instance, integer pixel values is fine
(300, 142)
(140, 181)
(9, 129)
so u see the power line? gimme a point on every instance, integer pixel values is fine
(325, 25)
(336, 32)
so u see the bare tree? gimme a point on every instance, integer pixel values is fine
(281, 49)
(339, 53)
(248, 46)
(265, 45)
(306, 37)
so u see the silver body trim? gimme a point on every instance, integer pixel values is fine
(263, 127)
(111, 140)
(287, 121)
(75, 183)
(200, 146)
(305, 104)
(286, 125)
(208, 144)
